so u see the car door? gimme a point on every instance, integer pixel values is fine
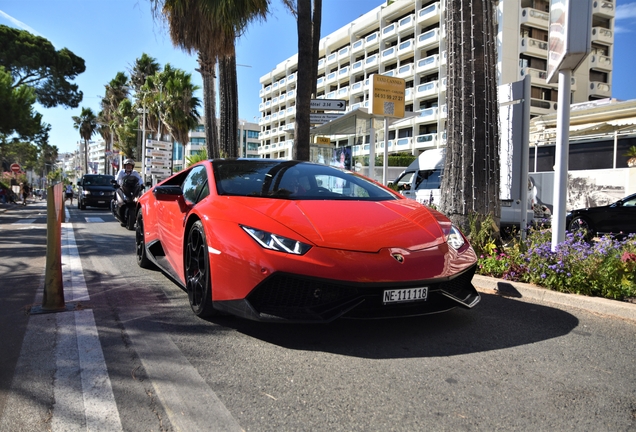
(623, 216)
(174, 215)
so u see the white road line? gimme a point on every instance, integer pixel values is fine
(78, 349)
(94, 219)
(24, 221)
(72, 273)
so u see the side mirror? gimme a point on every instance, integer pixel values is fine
(167, 193)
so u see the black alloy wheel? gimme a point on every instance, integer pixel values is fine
(140, 242)
(197, 272)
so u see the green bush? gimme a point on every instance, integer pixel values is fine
(605, 267)
(395, 160)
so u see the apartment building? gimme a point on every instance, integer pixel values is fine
(248, 143)
(406, 39)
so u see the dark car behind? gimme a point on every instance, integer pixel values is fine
(617, 219)
(95, 190)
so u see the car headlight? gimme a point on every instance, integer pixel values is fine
(276, 242)
(86, 192)
(455, 238)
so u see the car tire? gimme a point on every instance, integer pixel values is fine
(579, 223)
(140, 243)
(197, 272)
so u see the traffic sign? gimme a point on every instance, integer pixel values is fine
(328, 104)
(162, 145)
(15, 168)
(387, 96)
(158, 171)
(157, 153)
(323, 118)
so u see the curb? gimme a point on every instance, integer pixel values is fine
(597, 305)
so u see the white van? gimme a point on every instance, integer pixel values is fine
(422, 179)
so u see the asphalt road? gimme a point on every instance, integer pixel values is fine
(508, 364)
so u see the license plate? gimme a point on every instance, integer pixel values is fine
(405, 295)
(101, 202)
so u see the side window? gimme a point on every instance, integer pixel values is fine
(195, 186)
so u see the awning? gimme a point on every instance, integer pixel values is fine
(355, 122)
(628, 121)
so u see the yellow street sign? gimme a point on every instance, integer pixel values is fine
(387, 96)
(323, 140)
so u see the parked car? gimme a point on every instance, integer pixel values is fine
(274, 240)
(95, 190)
(618, 218)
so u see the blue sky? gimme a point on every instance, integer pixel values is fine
(110, 34)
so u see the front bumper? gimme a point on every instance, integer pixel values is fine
(293, 298)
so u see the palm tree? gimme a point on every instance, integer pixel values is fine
(210, 27)
(144, 67)
(471, 180)
(126, 123)
(169, 96)
(86, 124)
(308, 21)
(116, 91)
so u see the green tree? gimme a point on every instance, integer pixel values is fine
(471, 173)
(210, 28)
(34, 62)
(86, 124)
(17, 116)
(308, 15)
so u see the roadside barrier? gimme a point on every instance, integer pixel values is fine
(53, 299)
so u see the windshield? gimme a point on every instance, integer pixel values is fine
(97, 180)
(293, 180)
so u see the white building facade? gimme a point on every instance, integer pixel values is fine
(406, 39)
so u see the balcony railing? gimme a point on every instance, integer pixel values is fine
(388, 31)
(407, 23)
(429, 14)
(430, 37)
(535, 17)
(601, 35)
(357, 45)
(371, 40)
(534, 46)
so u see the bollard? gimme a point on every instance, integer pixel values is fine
(53, 298)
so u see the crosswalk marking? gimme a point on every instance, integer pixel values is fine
(93, 219)
(24, 221)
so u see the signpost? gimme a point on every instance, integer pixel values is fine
(328, 104)
(320, 118)
(387, 96)
(158, 159)
(570, 43)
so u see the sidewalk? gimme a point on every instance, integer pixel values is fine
(596, 305)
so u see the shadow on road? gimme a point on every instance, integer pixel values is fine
(495, 323)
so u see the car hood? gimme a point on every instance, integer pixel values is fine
(591, 209)
(365, 226)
